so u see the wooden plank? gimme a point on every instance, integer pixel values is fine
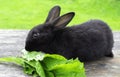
(13, 41)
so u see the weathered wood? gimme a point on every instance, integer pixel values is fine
(12, 42)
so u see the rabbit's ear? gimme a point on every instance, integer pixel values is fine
(62, 21)
(53, 13)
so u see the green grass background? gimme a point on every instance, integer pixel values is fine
(24, 14)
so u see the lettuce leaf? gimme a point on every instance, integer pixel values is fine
(16, 60)
(34, 68)
(39, 64)
(72, 69)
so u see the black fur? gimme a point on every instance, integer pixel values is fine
(88, 41)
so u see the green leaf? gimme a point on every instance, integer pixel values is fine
(16, 60)
(49, 73)
(32, 55)
(61, 67)
(51, 60)
(29, 69)
(55, 56)
(47, 65)
(71, 69)
(37, 66)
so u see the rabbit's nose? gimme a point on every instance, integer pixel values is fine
(27, 48)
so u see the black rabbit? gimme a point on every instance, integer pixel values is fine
(88, 41)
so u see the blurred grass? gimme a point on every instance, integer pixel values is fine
(24, 14)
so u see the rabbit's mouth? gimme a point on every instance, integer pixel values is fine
(35, 47)
(32, 49)
(28, 48)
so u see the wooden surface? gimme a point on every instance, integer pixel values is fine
(12, 42)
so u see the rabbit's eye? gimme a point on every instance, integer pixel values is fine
(35, 35)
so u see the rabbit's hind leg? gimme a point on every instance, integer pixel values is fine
(109, 55)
